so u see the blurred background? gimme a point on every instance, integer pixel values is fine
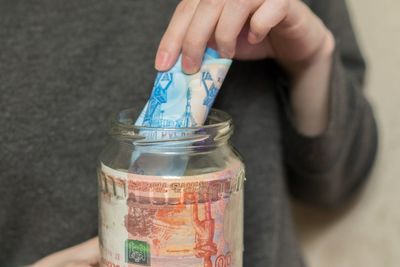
(367, 232)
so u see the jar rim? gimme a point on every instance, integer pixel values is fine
(218, 127)
(223, 119)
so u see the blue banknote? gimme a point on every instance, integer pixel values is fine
(179, 100)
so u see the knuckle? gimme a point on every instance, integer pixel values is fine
(223, 40)
(212, 2)
(282, 6)
(191, 43)
(184, 6)
(241, 4)
(170, 36)
(168, 42)
(181, 7)
(226, 44)
(258, 27)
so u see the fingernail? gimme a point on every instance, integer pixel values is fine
(163, 60)
(253, 38)
(189, 65)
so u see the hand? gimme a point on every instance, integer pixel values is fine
(86, 254)
(286, 30)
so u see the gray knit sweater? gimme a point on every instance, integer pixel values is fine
(66, 66)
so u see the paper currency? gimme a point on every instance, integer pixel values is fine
(180, 100)
(195, 221)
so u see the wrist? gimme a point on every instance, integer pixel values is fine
(321, 56)
(309, 94)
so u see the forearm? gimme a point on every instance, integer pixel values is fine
(309, 93)
(326, 169)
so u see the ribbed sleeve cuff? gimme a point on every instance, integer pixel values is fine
(324, 149)
(327, 168)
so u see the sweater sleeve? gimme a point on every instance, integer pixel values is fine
(325, 170)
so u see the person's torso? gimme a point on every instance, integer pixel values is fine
(65, 68)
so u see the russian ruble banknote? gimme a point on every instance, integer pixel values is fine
(179, 100)
(194, 221)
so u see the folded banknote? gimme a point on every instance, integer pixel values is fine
(181, 100)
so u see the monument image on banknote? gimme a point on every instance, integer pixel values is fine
(210, 88)
(174, 92)
(181, 222)
(179, 100)
(153, 114)
(204, 229)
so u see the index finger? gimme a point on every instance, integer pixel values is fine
(171, 42)
(199, 33)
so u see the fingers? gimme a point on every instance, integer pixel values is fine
(196, 23)
(85, 253)
(267, 16)
(81, 264)
(171, 42)
(231, 22)
(199, 33)
(246, 51)
(77, 264)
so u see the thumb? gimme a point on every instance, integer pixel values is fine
(86, 253)
(73, 264)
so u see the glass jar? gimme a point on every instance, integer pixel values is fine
(171, 197)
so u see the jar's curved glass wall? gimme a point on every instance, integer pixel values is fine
(171, 196)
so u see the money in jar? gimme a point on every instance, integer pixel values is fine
(150, 216)
(180, 100)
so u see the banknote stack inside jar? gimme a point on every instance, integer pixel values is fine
(158, 209)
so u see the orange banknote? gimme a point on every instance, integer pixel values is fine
(190, 221)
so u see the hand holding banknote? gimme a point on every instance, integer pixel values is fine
(285, 30)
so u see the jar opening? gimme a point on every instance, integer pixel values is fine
(217, 129)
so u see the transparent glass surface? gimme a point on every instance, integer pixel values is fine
(159, 151)
(171, 197)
